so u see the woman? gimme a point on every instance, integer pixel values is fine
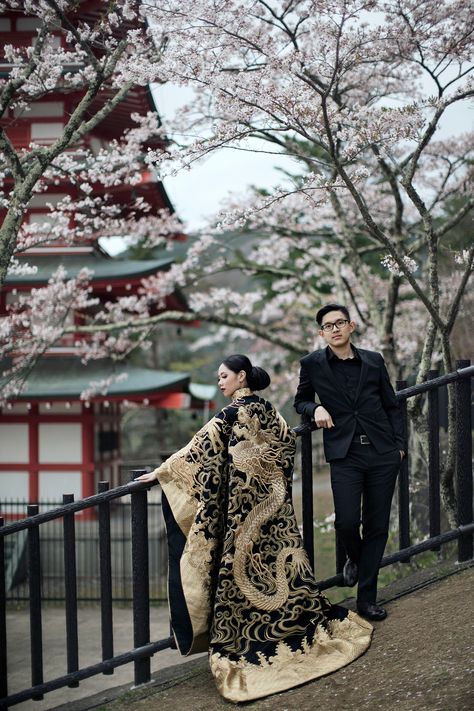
(240, 583)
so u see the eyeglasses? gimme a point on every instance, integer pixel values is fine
(340, 323)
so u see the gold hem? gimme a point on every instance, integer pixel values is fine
(331, 649)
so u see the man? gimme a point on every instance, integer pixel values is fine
(348, 392)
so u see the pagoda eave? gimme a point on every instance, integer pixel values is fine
(107, 271)
(65, 378)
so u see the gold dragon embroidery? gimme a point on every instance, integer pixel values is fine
(258, 456)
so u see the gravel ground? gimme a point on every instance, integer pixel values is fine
(421, 659)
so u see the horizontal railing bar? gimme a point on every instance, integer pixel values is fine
(80, 505)
(426, 545)
(435, 382)
(13, 600)
(147, 650)
(305, 427)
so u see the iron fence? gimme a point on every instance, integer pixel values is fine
(106, 499)
(87, 554)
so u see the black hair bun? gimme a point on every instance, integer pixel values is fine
(258, 378)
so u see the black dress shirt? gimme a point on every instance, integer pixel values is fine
(347, 372)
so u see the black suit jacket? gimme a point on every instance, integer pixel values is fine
(375, 406)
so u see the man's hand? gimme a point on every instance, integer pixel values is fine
(322, 417)
(402, 454)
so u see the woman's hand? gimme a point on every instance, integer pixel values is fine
(149, 476)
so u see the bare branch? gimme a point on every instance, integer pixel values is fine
(12, 157)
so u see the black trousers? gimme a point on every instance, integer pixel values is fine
(364, 478)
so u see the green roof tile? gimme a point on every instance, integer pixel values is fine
(103, 268)
(66, 377)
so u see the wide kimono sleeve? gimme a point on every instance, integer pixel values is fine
(193, 482)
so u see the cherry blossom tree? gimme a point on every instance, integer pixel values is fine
(111, 54)
(355, 92)
(91, 56)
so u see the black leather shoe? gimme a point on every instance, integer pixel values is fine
(350, 573)
(371, 611)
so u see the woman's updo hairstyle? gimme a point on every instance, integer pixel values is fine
(257, 378)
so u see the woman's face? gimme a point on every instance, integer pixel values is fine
(228, 381)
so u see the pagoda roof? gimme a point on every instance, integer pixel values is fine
(65, 377)
(176, 251)
(104, 268)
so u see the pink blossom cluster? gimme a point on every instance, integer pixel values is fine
(36, 321)
(101, 387)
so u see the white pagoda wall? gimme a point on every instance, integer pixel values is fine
(42, 457)
(60, 443)
(14, 442)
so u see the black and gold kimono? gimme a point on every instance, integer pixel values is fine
(240, 583)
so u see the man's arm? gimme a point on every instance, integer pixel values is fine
(391, 407)
(304, 402)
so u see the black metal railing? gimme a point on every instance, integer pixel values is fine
(88, 538)
(144, 649)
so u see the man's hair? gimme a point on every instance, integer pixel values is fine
(331, 307)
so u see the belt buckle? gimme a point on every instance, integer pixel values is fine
(364, 439)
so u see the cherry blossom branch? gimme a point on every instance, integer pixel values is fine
(369, 221)
(136, 324)
(65, 22)
(411, 163)
(12, 85)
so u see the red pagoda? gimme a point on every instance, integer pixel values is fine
(51, 441)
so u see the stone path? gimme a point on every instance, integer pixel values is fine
(421, 659)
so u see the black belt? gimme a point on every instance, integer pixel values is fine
(361, 439)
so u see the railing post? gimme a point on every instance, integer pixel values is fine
(307, 494)
(3, 620)
(433, 459)
(464, 460)
(105, 560)
(403, 482)
(70, 588)
(141, 588)
(36, 630)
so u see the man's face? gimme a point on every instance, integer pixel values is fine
(336, 329)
